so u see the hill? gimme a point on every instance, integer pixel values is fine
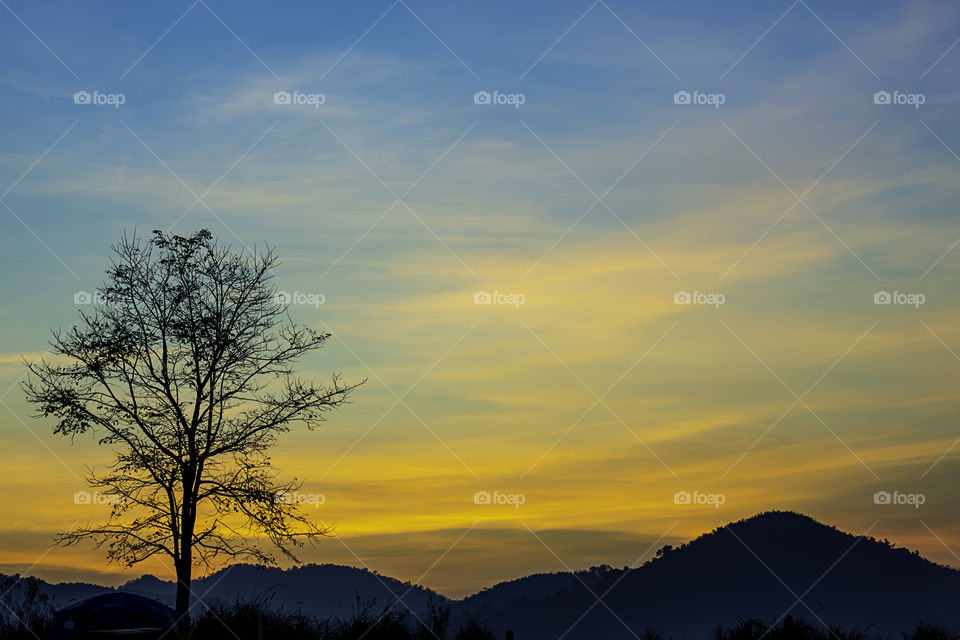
(765, 567)
(756, 568)
(323, 591)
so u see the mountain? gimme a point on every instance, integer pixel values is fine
(756, 568)
(534, 587)
(323, 591)
(326, 590)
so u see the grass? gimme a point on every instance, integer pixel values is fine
(26, 614)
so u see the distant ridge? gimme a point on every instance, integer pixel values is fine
(753, 568)
(322, 590)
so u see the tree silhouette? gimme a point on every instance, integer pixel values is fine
(184, 369)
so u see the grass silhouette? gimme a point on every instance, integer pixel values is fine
(27, 615)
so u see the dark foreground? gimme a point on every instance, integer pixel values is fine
(257, 621)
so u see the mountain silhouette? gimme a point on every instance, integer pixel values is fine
(534, 587)
(754, 568)
(323, 591)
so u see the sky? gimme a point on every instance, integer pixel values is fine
(592, 257)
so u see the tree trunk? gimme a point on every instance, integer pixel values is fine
(184, 565)
(184, 569)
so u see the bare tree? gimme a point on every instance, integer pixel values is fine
(184, 369)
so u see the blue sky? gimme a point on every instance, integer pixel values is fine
(598, 198)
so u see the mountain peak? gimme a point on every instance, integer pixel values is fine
(776, 517)
(146, 581)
